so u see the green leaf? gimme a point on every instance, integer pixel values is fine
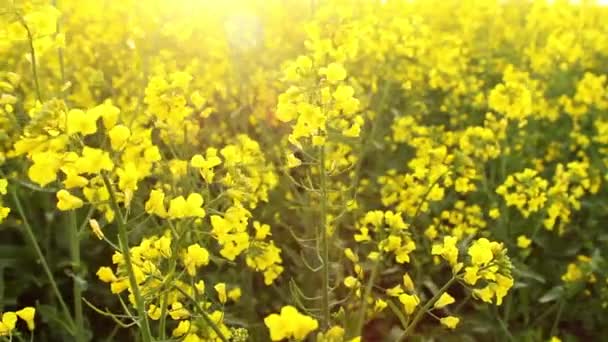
(50, 315)
(555, 293)
(525, 272)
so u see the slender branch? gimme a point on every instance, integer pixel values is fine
(367, 294)
(30, 234)
(324, 241)
(204, 314)
(60, 54)
(33, 55)
(557, 317)
(74, 239)
(425, 308)
(124, 246)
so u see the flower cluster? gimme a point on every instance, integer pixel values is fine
(290, 324)
(9, 319)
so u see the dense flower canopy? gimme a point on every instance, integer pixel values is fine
(332, 170)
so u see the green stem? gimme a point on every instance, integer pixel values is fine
(164, 300)
(76, 268)
(369, 140)
(124, 246)
(33, 55)
(162, 326)
(397, 311)
(324, 242)
(60, 53)
(30, 234)
(367, 294)
(557, 317)
(204, 314)
(425, 308)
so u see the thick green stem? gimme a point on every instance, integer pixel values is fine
(425, 308)
(77, 289)
(163, 317)
(30, 234)
(324, 242)
(124, 246)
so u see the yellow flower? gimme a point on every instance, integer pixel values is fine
(408, 283)
(394, 291)
(410, 302)
(195, 257)
(154, 312)
(206, 164)
(293, 161)
(155, 204)
(163, 244)
(106, 274)
(93, 160)
(67, 201)
(9, 320)
(80, 122)
(503, 284)
(96, 229)
(334, 334)
(220, 288)
(192, 338)
(182, 328)
(450, 321)
(261, 230)
(447, 250)
(119, 286)
(178, 311)
(380, 305)
(119, 134)
(334, 72)
(73, 179)
(190, 207)
(364, 236)
(235, 294)
(27, 314)
(351, 255)
(200, 286)
(197, 99)
(128, 176)
(109, 113)
(44, 169)
(471, 275)
(523, 241)
(4, 211)
(484, 294)
(573, 273)
(290, 324)
(444, 300)
(351, 282)
(481, 252)
(3, 185)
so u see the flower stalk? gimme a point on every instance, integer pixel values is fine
(124, 246)
(425, 308)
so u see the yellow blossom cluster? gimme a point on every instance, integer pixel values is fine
(290, 324)
(524, 190)
(9, 319)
